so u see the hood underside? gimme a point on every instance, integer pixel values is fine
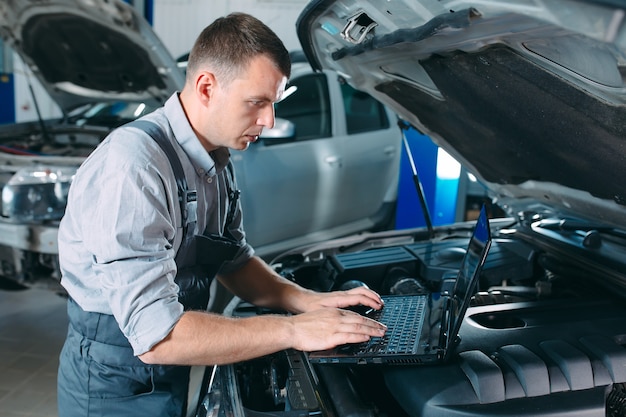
(90, 50)
(528, 95)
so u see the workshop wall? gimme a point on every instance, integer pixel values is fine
(178, 22)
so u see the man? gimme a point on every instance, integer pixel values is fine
(138, 249)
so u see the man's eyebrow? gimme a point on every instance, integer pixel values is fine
(261, 98)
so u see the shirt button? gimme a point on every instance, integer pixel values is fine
(200, 171)
(209, 180)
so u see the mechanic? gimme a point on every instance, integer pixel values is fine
(139, 245)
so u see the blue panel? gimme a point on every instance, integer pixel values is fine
(148, 11)
(409, 212)
(445, 201)
(7, 98)
(440, 193)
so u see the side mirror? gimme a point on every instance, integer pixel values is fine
(283, 130)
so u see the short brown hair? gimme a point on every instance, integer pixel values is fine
(228, 44)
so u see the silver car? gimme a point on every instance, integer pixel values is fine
(329, 168)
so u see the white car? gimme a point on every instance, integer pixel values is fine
(328, 169)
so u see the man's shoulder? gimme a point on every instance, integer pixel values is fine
(126, 149)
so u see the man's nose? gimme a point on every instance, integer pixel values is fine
(266, 118)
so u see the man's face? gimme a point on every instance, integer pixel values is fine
(242, 108)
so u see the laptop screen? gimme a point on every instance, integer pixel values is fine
(467, 278)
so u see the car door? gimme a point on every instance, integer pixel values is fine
(288, 185)
(369, 156)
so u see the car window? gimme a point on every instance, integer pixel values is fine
(363, 112)
(308, 108)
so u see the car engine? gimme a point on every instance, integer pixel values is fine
(55, 140)
(544, 336)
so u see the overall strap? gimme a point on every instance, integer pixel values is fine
(184, 195)
(233, 197)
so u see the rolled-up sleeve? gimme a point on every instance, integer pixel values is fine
(125, 213)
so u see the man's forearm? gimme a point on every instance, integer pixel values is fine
(258, 284)
(201, 338)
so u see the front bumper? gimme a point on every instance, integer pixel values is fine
(29, 255)
(33, 238)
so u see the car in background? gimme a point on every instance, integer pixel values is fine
(336, 175)
(329, 168)
(530, 97)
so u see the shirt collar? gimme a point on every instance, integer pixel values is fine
(205, 163)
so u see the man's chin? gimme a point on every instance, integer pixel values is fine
(243, 146)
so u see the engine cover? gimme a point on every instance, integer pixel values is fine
(523, 359)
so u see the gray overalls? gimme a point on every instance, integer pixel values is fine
(98, 373)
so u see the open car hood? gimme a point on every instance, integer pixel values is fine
(86, 51)
(529, 95)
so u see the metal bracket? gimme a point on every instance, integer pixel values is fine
(357, 28)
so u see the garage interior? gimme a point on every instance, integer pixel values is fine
(33, 324)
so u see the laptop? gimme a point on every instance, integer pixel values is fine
(421, 328)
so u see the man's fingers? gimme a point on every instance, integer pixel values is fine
(324, 329)
(364, 329)
(366, 325)
(362, 296)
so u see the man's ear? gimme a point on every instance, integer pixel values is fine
(205, 86)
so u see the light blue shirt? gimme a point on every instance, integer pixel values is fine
(122, 225)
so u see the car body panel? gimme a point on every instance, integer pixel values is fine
(489, 81)
(87, 51)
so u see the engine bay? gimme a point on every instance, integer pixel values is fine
(541, 337)
(61, 140)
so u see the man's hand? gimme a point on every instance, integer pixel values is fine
(330, 327)
(341, 299)
(319, 321)
(324, 324)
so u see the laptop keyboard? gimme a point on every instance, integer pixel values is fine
(402, 316)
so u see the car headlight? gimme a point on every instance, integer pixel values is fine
(37, 193)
